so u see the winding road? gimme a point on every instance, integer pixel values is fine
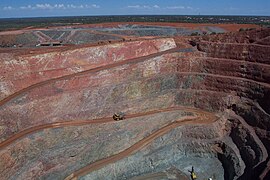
(35, 129)
(93, 70)
(199, 117)
(202, 117)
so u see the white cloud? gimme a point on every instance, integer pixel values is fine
(146, 7)
(58, 6)
(7, 8)
(135, 6)
(157, 7)
(175, 7)
(44, 6)
(26, 7)
(95, 6)
(143, 7)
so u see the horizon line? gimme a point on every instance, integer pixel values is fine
(26, 17)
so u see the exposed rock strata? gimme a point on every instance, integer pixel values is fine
(216, 74)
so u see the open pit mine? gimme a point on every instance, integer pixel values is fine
(135, 101)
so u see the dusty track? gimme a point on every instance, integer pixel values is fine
(73, 32)
(34, 129)
(129, 61)
(42, 37)
(266, 171)
(228, 27)
(202, 118)
(227, 77)
(236, 44)
(235, 61)
(110, 34)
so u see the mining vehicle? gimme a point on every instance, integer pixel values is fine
(118, 116)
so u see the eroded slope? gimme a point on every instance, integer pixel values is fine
(228, 77)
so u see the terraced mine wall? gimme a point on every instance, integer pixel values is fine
(249, 70)
(228, 79)
(21, 71)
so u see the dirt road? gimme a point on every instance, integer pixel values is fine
(201, 118)
(35, 129)
(93, 70)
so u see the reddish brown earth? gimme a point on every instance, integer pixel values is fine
(229, 27)
(199, 101)
(31, 37)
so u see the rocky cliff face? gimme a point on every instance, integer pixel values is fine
(243, 70)
(21, 71)
(226, 75)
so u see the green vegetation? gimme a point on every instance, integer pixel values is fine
(195, 34)
(246, 29)
(18, 23)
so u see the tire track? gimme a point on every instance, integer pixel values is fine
(97, 69)
(35, 129)
(202, 118)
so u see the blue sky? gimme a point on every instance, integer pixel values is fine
(40, 8)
